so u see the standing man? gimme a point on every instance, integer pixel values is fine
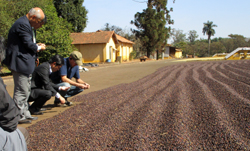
(42, 89)
(63, 77)
(21, 55)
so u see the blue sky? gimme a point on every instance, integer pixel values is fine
(231, 16)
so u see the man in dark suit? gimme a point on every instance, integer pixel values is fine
(42, 88)
(21, 55)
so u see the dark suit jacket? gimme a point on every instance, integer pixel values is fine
(21, 50)
(41, 80)
(9, 112)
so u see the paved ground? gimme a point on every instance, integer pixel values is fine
(101, 77)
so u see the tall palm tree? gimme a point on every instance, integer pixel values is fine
(208, 29)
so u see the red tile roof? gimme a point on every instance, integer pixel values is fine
(97, 37)
(124, 40)
(92, 37)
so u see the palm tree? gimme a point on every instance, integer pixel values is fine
(208, 29)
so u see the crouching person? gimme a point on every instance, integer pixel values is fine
(42, 89)
(64, 76)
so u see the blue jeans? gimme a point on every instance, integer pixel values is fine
(71, 92)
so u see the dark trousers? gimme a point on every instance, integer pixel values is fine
(40, 97)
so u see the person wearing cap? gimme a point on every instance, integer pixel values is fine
(64, 76)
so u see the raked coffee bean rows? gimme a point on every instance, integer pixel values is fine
(189, 106)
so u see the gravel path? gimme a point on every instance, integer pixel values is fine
(191, 106)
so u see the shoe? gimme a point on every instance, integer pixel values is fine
(32, 118)
(24, 121)
(57, 104)
(69, 103)
(43, 109)
(35, 112)
(48, 108)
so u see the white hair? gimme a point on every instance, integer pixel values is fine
(36, 12)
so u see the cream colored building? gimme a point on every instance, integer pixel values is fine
(178, 53)
(220, 55)
(171, 52)
(102, 46)
(239, 53)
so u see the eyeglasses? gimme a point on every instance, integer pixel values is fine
(43, 21)
(40, 22)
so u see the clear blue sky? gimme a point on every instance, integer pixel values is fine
(231, 16)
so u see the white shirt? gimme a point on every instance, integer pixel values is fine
(57, 94)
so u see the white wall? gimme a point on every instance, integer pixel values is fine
(112, 45)
(166, 53)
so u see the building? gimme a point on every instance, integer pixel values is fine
(102, 46)
(220, 55)
(171, 52)
(239, 53)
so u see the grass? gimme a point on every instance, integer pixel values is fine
(4, 71)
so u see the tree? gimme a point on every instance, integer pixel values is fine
(192, 35)
(178, 36)
(54, 34)
(112, 28)
(151, 26)
(208, 29)
(248, 42)
(5, 18)
(216, 39)
(217, 47)
(73, 12)
(239, 40)
(228, 44)
(200, 46)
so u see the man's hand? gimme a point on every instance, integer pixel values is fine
(43, 46)
(37, 61)
(81, 86)
(62, 100)
(64, 88)
(87, 86)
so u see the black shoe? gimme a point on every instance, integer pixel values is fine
(32, 118)
(48, 108)
(57, 104)
(69, 103)
(25, 121)
(43, 109)
(35, 112)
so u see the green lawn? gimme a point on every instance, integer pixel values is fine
(5, 70)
